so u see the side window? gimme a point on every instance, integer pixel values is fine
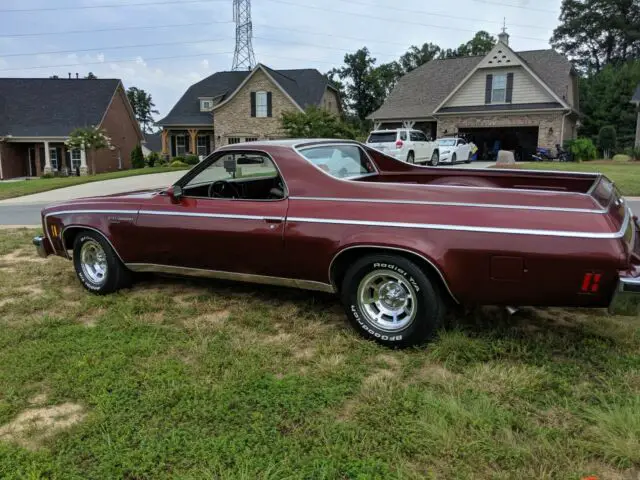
(422, 137)
(403, 136)
(461, 142)
(414, 137)
(340, 161)
(237, 175)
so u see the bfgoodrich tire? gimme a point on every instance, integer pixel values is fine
(390, 300)
(97, 266)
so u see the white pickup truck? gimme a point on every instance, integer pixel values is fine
(411, 146)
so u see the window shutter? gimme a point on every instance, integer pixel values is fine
(253, 104)
(269, 106)
(509, 87)
(488, 88)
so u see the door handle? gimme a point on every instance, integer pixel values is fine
(273, 220)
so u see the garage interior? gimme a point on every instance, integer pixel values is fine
(523, 141)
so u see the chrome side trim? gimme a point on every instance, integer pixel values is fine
(233, 276)
(466, 228)
(173, 213)
(84, 227)
(382, 247)
(452, 204)
(66, 212)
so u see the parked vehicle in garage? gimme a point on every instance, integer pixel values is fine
(454, 150)
(398, 243)
(412, 146)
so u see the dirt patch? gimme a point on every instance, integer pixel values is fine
(390, 360)
(277, 339)
(6, 301)
(304, 353)
(38, 399)
(32, 290)
(434, 373)
(378, 378)
(33, 426)
(20, 256)
(208, 319)
(90, 319)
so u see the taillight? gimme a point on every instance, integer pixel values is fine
(399, 144)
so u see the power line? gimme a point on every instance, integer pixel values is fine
(108, 5)
(522, 7)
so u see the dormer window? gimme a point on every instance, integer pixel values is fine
(206, 104)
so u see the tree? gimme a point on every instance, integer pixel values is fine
(595, 33)
(607, 140)
(605, 100)
(137, 157)
(315, 122)
(142, 105)
(91, 139)
(91, 76)
(419, 56)
(481, 44)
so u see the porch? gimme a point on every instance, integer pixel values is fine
(28, 158)
(178, 142)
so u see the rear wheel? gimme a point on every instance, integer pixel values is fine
(390, 300)
(454, 158)
(435, 159)
(411, 158)
(97, 266)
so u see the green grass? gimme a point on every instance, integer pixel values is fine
(625, 175)
(190, 380)
(28, 187)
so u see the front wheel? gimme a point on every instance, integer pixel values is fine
(454, 158)
(97, 266)
(411, 158)
(435, 159)
(390, 300)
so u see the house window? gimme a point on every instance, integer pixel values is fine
(261, 104)
(234, 140)
(206, 105)
(499, 89)
(203, 142)
(181, 146)
(53, 153)
(76, 159)
(251, 139)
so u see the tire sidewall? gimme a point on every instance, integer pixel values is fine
(411, 158)
(435, 159)
(112, 263)
(427, 319)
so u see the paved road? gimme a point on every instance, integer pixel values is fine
(30, 214)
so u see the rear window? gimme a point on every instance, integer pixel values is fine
(340, 161)
(384, 137)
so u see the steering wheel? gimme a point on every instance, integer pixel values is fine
(219, 187)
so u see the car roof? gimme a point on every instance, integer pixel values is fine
(288, 142)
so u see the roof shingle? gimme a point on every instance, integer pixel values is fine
(45, 107)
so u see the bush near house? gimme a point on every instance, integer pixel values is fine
(153, 159)
(178, 163)
(137, 157)
(582, 149)
(191, 160)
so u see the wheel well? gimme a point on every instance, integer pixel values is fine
(348, 256)
(69, 236)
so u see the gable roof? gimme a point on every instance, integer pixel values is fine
(636, 96)
(305, 87)
(419, 92)
(46, 107)
(153, 141)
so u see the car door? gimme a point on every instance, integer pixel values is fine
(230, 219)
(416, 145)
(427, 150)
(463, 150)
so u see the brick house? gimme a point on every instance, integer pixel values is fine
(38, 114)
(234, 107)
(515, 100)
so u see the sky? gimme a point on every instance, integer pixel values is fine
(163, 46)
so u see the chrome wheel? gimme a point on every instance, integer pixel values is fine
(93, 261)
(387, 300)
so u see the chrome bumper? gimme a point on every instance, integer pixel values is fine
(41, 246)
(628, 286)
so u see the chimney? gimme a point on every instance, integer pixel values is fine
(69, 75)
(77, 76)
(504, 36)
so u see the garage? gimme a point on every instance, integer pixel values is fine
(523, 141)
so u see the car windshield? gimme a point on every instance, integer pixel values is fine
(382, 137)
(447, 142)
(340, 161)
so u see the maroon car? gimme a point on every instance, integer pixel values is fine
(398, 242)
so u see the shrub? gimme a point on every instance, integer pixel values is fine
(153, 159)
(621, 157)
(583, 149)
(192, 160)
(178, 164)
(607, 140)
(137, 157)
(179, 159)
(47, 175)
(634, 153)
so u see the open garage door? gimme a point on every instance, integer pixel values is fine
(523, 141)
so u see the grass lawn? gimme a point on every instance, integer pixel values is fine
(190, 380)
(27, 187)
(625, 175)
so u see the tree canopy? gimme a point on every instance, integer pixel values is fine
(143, 107)
(316, 122)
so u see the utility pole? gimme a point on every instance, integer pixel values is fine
(243, 58)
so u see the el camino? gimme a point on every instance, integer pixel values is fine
(398, 243)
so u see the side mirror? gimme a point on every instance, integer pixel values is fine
(175, 193)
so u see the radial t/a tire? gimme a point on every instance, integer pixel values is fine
(390, 300)
(97, 265)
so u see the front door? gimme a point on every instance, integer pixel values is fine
(231, 219)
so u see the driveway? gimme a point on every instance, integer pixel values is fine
(94, 189)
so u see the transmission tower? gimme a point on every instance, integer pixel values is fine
(243, 58)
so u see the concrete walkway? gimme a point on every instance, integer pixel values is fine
(94, 189)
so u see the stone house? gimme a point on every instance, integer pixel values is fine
(241, 106)
(509, 100)
(38, 114)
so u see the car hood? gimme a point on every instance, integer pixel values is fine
(125, 200)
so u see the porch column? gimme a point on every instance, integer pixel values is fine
(47, 159)
(165, 142)
(193, 133)
(36, 153)
(83, 162)
(62, 161)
